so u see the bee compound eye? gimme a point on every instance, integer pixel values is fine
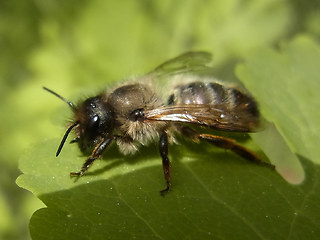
(93, 123)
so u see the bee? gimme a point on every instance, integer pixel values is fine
(135, 114)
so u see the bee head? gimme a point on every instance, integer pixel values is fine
(95, 121)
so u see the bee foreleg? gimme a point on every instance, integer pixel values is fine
(163, 148)
(97, 152)
(226, 143)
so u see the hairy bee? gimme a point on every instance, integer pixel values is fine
(135, 114)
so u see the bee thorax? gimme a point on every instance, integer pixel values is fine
(128, 103)
(138, 134)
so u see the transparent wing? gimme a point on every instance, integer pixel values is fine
(216, 117)
(186, 62)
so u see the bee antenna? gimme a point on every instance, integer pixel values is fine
(59, 96)
(65, 138)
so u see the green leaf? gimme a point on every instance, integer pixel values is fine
(286, 83)
(212, 193)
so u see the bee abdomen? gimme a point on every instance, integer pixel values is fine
(213, 93)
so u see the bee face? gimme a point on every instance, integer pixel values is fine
(96, 121)
(133, 114)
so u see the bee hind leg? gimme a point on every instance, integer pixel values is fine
(226, 143)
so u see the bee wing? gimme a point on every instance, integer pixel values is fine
(186, 62)
(216, 117)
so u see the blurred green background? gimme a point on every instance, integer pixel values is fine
(74, 45)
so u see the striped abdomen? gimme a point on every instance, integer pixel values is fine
(215, 94)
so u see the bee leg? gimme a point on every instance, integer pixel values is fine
(163, 148)
(226, 143)
(230, 144)
(97, 152)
